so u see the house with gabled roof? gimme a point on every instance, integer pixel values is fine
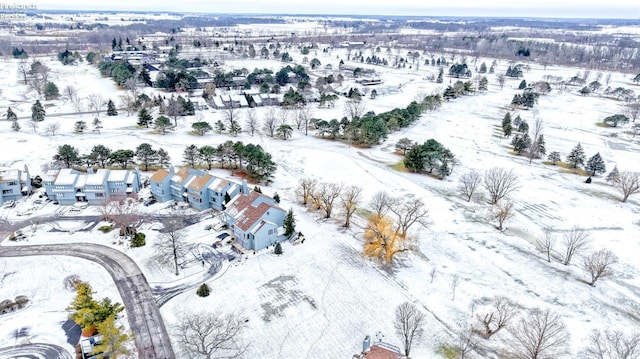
(69, 186)
(255, 220)
(220, 190)
(160, 183)
(197, 191)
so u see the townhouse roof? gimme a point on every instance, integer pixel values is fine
(198, 182)
(181, 175)
(9, 175)
(159, 176)
(98, 178)
(118, 175)
(66, 177)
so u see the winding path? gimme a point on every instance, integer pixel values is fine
(151, 336)
(36, 351)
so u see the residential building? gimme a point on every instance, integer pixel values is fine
(255, 220)
(14, 184)
(69, 186)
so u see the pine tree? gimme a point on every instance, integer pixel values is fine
(449, 93)
(440, 76)
(523, 85)
(542, 146)
(595, 165)
(483, 84)
(203, 290)
(163, 158)
(517, 121)
(111, 108)
(276, 197)
(37, 112)
(11, 116)
(506, 125)
(219, 126)
(613, 175)
(523, 127)
(15, 126)
(144, 118)
(577, 156)
(521, 143)
(257, 189)
(289, 223)
(227, 197)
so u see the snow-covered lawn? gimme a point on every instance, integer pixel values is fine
(320, 298)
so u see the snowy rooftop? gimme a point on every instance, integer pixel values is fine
(98, 178)
(66, 177)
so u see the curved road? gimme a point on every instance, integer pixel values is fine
(36, 351)
(151, 337)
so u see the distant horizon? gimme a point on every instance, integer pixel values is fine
(573, 9)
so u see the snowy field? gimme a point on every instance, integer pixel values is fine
(321, 298)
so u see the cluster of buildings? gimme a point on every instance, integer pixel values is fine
(254, 219)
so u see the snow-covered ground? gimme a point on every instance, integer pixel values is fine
(320, 298)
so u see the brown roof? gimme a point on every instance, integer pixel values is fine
(251, 215)
(199, 182)
(377, 352)
(182, 173)
(159, 176)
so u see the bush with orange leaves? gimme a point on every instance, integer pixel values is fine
(383, 239)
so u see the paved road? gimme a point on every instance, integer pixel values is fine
(151, 337)
(36, 351)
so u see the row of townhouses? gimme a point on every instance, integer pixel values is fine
(254, 219)
(14, 184)
(68, 186)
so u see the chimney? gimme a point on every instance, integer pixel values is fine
(244, 189)
(366, 344)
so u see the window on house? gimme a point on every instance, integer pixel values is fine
(270, 231)
(7, 191)
(99, 195)
(12, 183)
(114, 190)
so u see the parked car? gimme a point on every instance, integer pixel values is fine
(222, 235)
(220, 226)
(150, 202)
(9, 204)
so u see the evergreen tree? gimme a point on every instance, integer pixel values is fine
(201, 127)
(257, 189)
(100, 155)
(289, 223)
(517, 121)
(415, 159)
(203, 290)
(576, 157)
(67, 155)
(276, 197)
(278, 249)
(51, 91)
(595, 165)
(234, 128)
(227, 197)
(219, 126)
(542, 146)
(440, 76)
(114, 340)
(37, 112)
(613, 175)
(122, 158)
(523, 127)
(163, 158)
(144, 118)
(15, 126)
(521, 143)
(162, 124)
(483, 84)
(191, 155)
(111, 108)
(449, 93)
(506, 120)
(11, 116)
(507, 129)
(483, 68)
(523, 85)
(146, 155)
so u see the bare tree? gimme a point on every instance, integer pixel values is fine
(502, 212)
(52, 128)
(575, 241)
(306, 189)
(409, 213)
(283, 115)
(69, 94)
(349, 201)
(131, 85)
(535, 147)
(500, 183)
(252, 121)
(466, 341)
(269, 123)
(122, 212)
(469, 183)
(454, 284)
(23, 70)
(129, 103)
(39, 77)
(174, 109)
(612, 344)
(381, 201)
(627, 183)
(501, 80)
(328, 193)
(540, 334)
(210, 336)
(171, 245)
(354, 108)
(34, 125)
(304, 117)
(502, 311)
(409, 323)
(96, 103)
(545, 244)
(599, 264)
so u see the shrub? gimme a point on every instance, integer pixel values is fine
(138, 240)
(105, 229)
(447, 351)
(12, 236)
(71, 282)
(203, 290)
(278, 249)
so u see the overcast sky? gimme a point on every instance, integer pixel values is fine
(627, 9)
